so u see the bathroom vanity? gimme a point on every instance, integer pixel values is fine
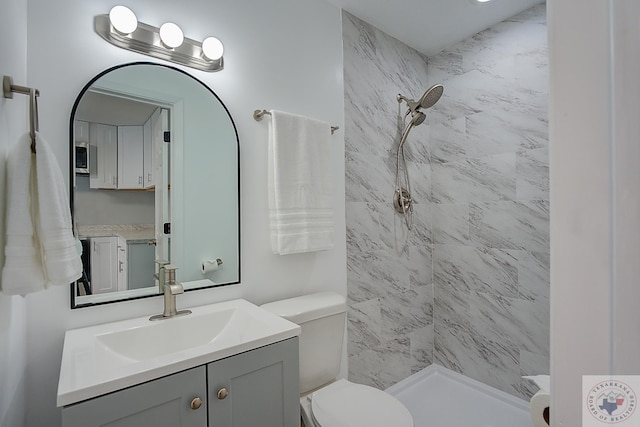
(226, 364)
(258, 387)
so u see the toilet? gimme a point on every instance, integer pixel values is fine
(326, 401)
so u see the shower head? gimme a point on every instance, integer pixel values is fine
(431, 96)
(428, 100)
(417, 117)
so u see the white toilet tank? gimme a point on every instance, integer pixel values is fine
(322, 319)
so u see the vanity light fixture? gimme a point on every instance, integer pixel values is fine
(121, 28)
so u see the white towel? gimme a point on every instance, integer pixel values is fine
(40, 248)
(62, 263)
(22, 272)
(299, 180)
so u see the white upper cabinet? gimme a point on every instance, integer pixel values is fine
(130, 157)
(103, 156)
(80, 131)
(122, 157)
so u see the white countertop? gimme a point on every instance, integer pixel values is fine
(91, 368)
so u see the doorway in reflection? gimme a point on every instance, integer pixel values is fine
(122, 184)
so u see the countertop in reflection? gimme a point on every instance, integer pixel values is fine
(126, 231)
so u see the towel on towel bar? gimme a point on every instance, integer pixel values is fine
(22, 272)
(40, 249)
(62, 263)
(300, 186)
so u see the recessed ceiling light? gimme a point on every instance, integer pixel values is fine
(483, 1)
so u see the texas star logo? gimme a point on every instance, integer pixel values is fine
(611, 401)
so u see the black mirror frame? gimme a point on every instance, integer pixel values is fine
(73, 286)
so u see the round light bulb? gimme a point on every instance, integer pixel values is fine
(171, 35)
(123, 19)
(212, 48)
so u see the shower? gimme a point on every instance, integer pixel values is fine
(402, 201)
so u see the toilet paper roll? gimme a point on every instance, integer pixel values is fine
(210, 265)
(540, 403)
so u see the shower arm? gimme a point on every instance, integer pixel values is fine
(410, 103)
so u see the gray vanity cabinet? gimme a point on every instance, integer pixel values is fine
(165, 402)
(255, 388)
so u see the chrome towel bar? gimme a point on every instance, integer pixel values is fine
(259, 115)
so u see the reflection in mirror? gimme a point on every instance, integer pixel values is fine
(154, 152)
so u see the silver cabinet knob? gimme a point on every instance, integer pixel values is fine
(196, 403)
(222, 393)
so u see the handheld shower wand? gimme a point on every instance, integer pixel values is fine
(402, 201)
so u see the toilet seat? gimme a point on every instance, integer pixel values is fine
(345, 404)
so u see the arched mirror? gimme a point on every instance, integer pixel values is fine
(155, 176)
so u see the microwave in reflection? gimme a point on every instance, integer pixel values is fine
(82, 157)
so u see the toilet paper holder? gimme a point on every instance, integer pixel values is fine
(210, 265)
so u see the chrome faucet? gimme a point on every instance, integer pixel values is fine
(167, 283)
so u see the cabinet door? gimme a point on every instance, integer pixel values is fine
(104, 264)
(140, 265)
(80, 131)
(103, 157)
(165, 402)
(130, 162)
(261, 385)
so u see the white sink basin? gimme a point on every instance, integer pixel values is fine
(159, 338)
(105, 358)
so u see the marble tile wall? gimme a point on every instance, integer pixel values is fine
(468, 287)
(390, 282)
(490, 193)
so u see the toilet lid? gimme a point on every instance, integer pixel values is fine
(345, 404)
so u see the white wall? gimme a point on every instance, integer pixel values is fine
(13, 122)
(100, 207)
(286, 54)
(595, 195)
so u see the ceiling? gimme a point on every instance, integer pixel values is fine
(432, 25)
(112, 110)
